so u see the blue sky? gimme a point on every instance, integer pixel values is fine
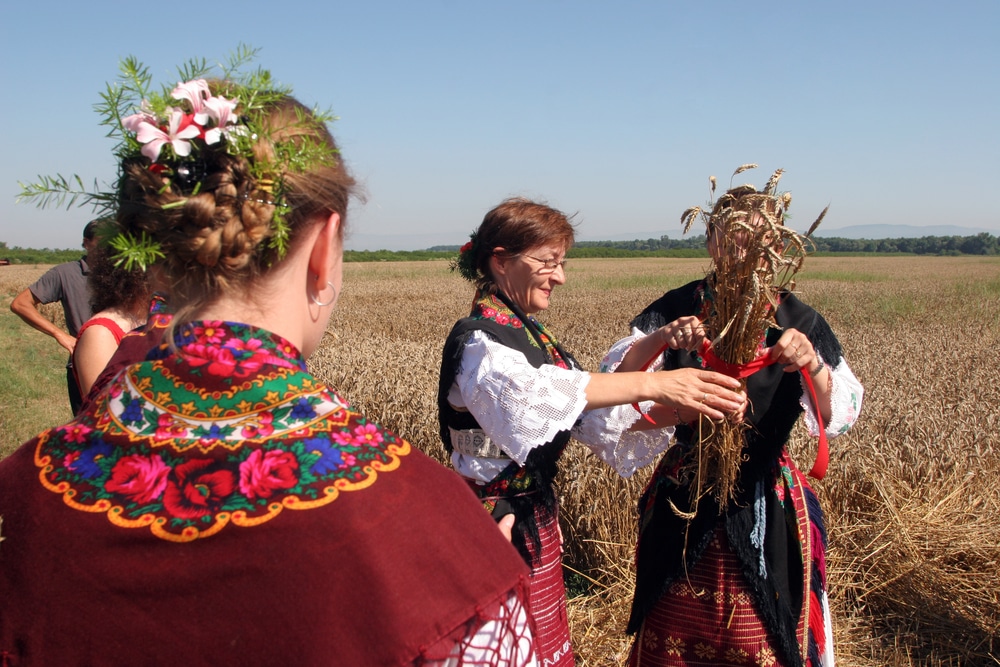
(618, 112)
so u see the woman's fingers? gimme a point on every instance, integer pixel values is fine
(720, 395)
(506, 525)
(685, 333)
(793, 350)
(694, 391)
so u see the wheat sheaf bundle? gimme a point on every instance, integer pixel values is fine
(757, 256)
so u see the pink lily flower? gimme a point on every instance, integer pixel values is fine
(223, 112)
(194, 92)
(180, 128)
(131, 123)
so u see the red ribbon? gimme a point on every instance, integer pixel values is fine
(740, 371)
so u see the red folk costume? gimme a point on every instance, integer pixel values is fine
(523, 490)
(745, 585)
(218, 505)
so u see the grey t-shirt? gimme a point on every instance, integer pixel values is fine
(66, 283)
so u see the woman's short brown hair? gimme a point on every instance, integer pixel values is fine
(517, 225)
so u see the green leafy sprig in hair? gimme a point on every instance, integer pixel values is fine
(176, 128)
(465, 263)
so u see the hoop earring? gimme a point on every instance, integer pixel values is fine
(323, 304)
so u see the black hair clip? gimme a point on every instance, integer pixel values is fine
(188, 175)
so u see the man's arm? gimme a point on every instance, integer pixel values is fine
(25, 306)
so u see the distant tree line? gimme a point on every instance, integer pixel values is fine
(980, 244)
(694, 246)
(18, 255)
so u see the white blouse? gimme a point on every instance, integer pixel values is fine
(521, 407)
(845, 396)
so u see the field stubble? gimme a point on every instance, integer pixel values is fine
(911, 496)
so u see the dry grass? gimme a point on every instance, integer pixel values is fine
(754, 257)
(911, 496)
(15, 277)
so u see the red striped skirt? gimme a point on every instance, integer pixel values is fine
(706, 618)
(547, 596)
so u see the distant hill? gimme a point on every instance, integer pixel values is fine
(898, 231)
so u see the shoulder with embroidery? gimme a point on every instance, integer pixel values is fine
(189, 482)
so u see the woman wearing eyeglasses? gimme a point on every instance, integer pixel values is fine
(510, 396)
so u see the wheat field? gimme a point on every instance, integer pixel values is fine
(912, 501)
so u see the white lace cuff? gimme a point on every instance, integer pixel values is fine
(845, 402)
(605, 431)
(613, 359)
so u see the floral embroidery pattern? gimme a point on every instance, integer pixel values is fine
(229, 429)
(489, 307)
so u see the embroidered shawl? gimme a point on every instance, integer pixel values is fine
(219, 505)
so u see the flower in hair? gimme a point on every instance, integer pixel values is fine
(208, 119)
(223, 113)
(182, 131)
(195, 92)
(465, 263)
(180, 128)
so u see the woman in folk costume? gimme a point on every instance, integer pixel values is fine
(217, 504)
(736, 574)
(510, 396)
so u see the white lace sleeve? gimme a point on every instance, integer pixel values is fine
(605, 431)
(613, 359)
(845, 402)
(519, 406)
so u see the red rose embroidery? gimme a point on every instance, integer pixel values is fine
(262, 428)
(264, 473)
(141, 478)
(167, 428)
(218, 361)
(197, 488)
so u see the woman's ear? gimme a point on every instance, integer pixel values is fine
(326, 250)
(498, 261)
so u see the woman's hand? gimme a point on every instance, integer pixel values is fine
(684, 333)
(506, 526)
(692, 391)
(795, 351)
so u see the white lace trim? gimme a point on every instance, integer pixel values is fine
(519, 406)
(845, 402)
(605, 431)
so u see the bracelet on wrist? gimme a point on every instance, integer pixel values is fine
(819, 366)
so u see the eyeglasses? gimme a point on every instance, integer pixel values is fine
(548, 265)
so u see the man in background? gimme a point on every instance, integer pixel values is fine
(67, 284)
